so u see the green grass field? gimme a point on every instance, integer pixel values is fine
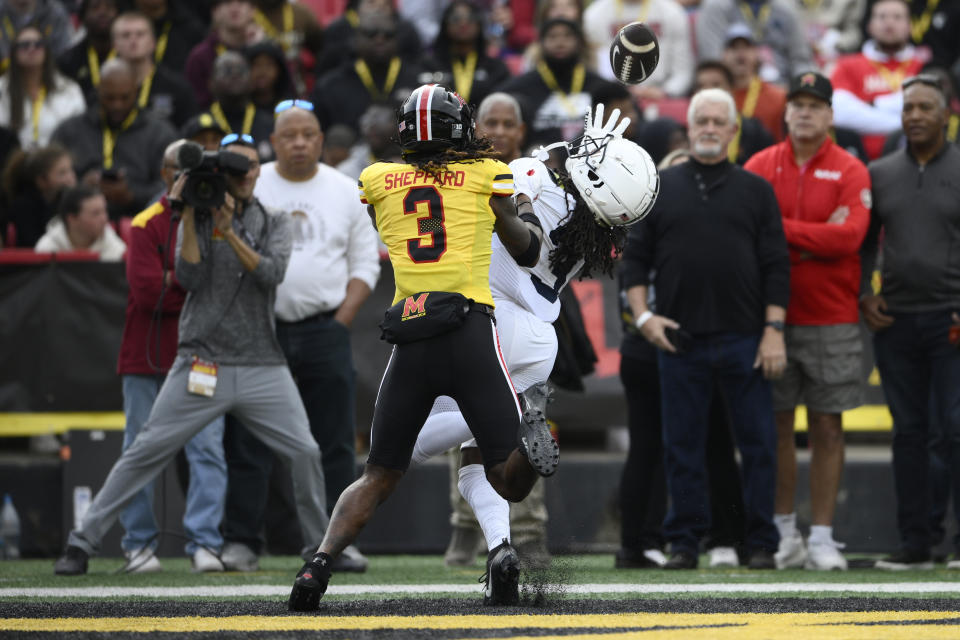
(429, 570)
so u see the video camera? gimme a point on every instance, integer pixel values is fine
(206, 172)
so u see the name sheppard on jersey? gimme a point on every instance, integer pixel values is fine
(406, 179)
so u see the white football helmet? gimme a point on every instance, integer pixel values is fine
(615, 177)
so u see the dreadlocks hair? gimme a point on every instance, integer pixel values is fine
(435, 162)
(581, 237)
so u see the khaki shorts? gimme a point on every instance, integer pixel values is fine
(824, 369)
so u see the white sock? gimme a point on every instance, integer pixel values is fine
(820, 534)
(441, 431)
(492, 511)
(786, 524)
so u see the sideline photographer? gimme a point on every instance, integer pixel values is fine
(230, 261)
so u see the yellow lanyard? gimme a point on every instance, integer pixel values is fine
(110, 140)
(217, 112)
(271, 31)
(352, 17)
(641, 17)
(893, 78)
(812, 4)
(757, 22)
(35, 112)
(93, 62)
(952, 125)
(220, 49)
(162, 41)
(920, 26)
(8, 27)
(733, 150)
(144, 98)
(576, 84)
(463, 75)
(367, 78)
(750, 100)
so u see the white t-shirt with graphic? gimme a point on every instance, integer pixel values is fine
(333, 240)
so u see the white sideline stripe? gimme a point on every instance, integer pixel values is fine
(580, 589)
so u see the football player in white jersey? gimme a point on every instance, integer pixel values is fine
(607, 183)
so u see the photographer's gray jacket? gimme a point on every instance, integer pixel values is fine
(919, 208)
(228, 314)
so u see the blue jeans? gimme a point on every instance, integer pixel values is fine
(920, 373)
(686, 383)
(208, 476)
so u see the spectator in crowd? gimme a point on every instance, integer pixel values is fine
(147, 351)
(571, 10)
(333, 268)
(653, 135)
(294, 27)
(833, 27)
(426, 16)
(162, 92)
(177, 32)
(233, 108)
(750, 137)
(237, 367)
(340, 44)
(48, 16)
(204, 130)
(83, 225)
(270, 80)
(466, 364)
(115, 146)
(499, 120)
(914, 314)
(34, 98)
(898, 139)
(934, 25)
(722, 291)
(378, 129)
(511, 24)
(824, 198)
(33, 182)
(867, 84)
(777, 29)
(460, 54)
(604, 18)
(232, 25)
(754, 97)
(378, 74)
(557, 93)
(82, 61)
(338, 146)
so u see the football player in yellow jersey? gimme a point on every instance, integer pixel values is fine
(436, 212)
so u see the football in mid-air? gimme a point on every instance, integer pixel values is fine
(634, 53)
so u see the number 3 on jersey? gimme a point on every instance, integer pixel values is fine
(430, 224)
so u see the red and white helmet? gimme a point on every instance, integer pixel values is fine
(433, 118)
(615, 177)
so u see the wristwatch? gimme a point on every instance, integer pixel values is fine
(775, 324)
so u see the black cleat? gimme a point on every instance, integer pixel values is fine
(502, 579)
(72, 563)
(536, 441)
(311, 584)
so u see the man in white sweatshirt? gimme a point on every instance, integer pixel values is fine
(83, 225)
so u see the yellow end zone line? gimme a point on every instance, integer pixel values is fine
(744, 622)
(867, 418)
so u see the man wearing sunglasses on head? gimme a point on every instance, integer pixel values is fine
(230, 261)
(333, 268)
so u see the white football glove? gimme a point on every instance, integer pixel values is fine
(598, 130)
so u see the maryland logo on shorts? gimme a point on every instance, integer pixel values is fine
(414, 307)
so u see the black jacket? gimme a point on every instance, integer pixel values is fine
(715, 243)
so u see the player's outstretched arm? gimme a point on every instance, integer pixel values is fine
(518, 228)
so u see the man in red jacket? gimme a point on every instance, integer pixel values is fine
(146, 352)
(824, 197)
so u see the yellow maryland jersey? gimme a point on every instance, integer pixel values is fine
(437, 228)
